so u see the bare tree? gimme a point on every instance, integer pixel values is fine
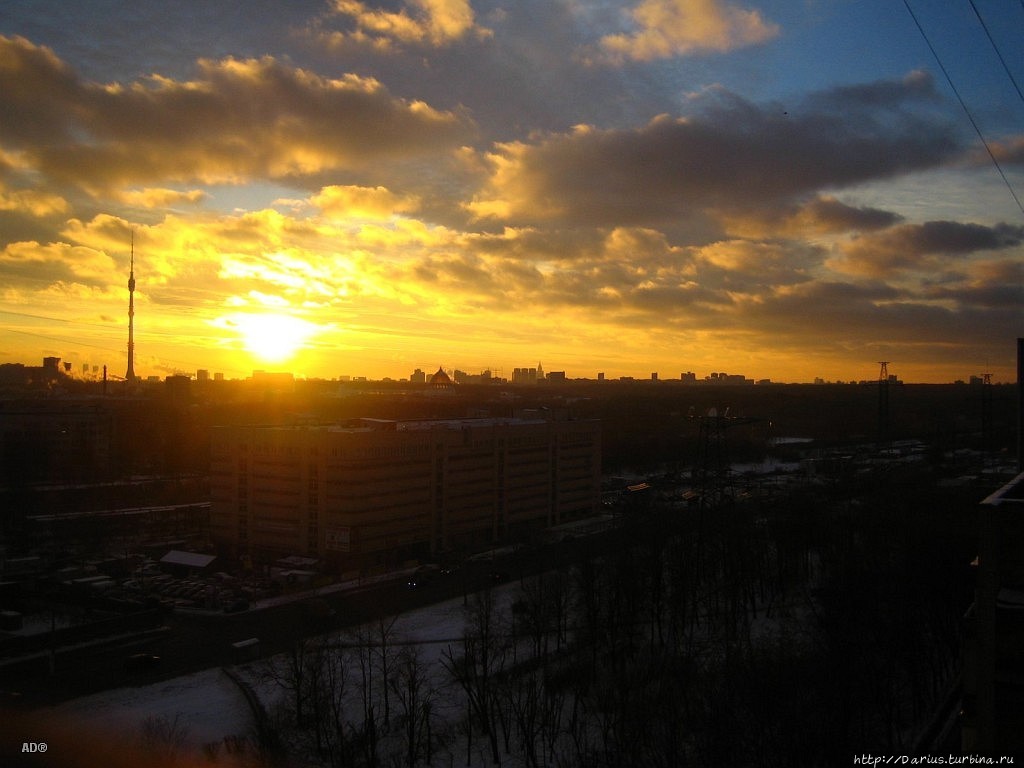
(164, 737)
(330, 699)
(292, 675)
(367, 734)
(416, 695)
(385, 653)
(475, 668)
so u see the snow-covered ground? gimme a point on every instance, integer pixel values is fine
(209, 706)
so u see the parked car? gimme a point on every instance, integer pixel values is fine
(423, 575)
(237, 606)
(141, 662)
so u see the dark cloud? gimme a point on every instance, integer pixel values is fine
(821, 215)
(877, 321)
(865, 99)
(26, 73)
(913, 246)
(998, 285)
(851, 312)
(953, 237)
(733, 154)
(831, 215)
(1002, 296)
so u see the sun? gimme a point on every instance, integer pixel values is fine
(273, 338)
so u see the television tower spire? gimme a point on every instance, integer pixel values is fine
(883, 404)
(130, 375)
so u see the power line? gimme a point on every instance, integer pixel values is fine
(995, 48)
(105, 326)
(58, 339)
(963, 105)
(108, 349)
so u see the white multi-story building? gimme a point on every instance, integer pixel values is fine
(371, 493)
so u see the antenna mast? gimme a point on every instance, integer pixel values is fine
(130, 375)
(883, 405)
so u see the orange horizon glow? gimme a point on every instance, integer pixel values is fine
(373, 194)
(236, 344)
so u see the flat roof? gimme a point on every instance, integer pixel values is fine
(1011, 493)
(409, 425)
(190, 559)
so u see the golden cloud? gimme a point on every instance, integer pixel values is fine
(33, 202)
(668, 28)
(350, 201)
(434, 22)
(36, 264)
(239, 119)
(160, 198)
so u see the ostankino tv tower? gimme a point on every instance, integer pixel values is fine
(130, 375)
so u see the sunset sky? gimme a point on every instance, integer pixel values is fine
(785, 189)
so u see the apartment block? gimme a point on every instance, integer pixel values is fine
(371, 493)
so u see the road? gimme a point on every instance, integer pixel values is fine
(195, 641)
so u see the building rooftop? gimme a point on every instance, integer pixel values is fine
(409, 425)
(1011, 493)
(189, 559)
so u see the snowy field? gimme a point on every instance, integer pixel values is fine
(208, 704)
(208, 707)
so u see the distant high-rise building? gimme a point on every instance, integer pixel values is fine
(526, 376)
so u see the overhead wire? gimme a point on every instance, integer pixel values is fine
(110, 348)
(963, 105)
(995, 48)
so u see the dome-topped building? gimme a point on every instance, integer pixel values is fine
(441, 380)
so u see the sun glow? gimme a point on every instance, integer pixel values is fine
(272, 338)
